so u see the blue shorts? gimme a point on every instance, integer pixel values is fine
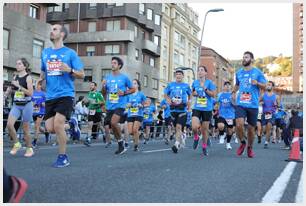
(265, 121)
(25, 110)
(249, 113)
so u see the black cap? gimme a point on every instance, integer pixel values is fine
(179, 70)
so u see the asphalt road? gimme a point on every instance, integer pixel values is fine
(154, 175)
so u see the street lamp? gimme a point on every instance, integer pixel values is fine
(211, 10)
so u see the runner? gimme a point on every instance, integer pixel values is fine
(115, 87)
(270, 103)
(248, 82)
(280, 122)
(135, 112)
(95, 100)
(22, 87)
(226, 113)
(38, 99)
(167, 118)
(204, 90)
(124, 128)
(148, 111)
(60, 65)
(259, 123)
(178, 96)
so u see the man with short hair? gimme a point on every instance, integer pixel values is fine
(60, 65)
(249, 80)
(115, 87)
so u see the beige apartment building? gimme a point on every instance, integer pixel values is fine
(179, 43)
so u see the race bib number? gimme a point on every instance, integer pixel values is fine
(19, 95)
(54, 68)
(146, 116)
(134, 110)
(92, 112)
(36, 109)
(114, 97)
(268, 116)
(229, 121)
(202, 101)
(176, 100)
(246, 98)
(259, 116)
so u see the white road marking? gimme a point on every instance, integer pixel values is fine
(158, 150)
(276, 191)
(299, 193)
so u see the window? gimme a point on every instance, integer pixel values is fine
(165, 53)
(135, 31)
(137, 75)
(141, 9)
(119, 4)
(155, 83)
(112, 49)
(145, 81)
(182, 41)
(65, 7)
(182, 59)
(143, 57)
(152, 62)
(143, 36)
(164, 73)
(37, 48)
(92, 26)
(177, 16)
(67, 26)
(156, 40)
(105, 72)
(58, 8)
(167, 11)
(113, 25)
(33, 11)
(6, 38)
(176, 36)
(194, 52)
(157, 19)
(92, 6)
(193, 65)
(110, 5)
(165, 33)
(137, 54)
(149, 14)
(90, 51)
(195, 33)
(88, 75)
(176, 57)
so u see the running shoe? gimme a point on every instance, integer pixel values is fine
(266, 145)
(166, 141)
(145, 141)
(236, 140)
(136, 148)
(126, 145)
(241, 149)
(87, 142)
(195, 143)
(174, 149)
(19, 187)
(228, 146)
(62, 161)
(108, 145)
(15, 148)
(205, 151)
(250, 152)
(121, 148)
(29, 152)
(34, 143)
(221, 139)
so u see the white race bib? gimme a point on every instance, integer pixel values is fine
(268, 116)
(229, 121)
(92, 112)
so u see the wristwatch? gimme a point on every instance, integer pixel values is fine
(71, 72)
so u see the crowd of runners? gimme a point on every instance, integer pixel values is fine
(119, 111)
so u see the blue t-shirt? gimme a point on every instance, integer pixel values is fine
(135, 100)
(58, 83)
(248, 94)
(167, 109)
(226, 108)
(178, 93)
(269, 103)
(148, 113)
(114, 83)
(38, 98)
(280, 114)
(203, 101)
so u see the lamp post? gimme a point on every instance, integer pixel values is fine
(211, 10)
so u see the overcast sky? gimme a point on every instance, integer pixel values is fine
(263, 28)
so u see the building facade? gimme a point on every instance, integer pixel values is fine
(99, 31)
(179, 43)
(219, 69)
(25, 34)
(297, 69)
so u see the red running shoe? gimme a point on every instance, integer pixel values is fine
(19, 187)
(240, 149)
(250, 152)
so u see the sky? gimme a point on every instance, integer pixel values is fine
(262, 28)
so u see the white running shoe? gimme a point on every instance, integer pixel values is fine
(221, 139)
(236, 140)
(228, 146)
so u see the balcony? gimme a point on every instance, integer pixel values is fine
(102, 36)
(151, 48)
